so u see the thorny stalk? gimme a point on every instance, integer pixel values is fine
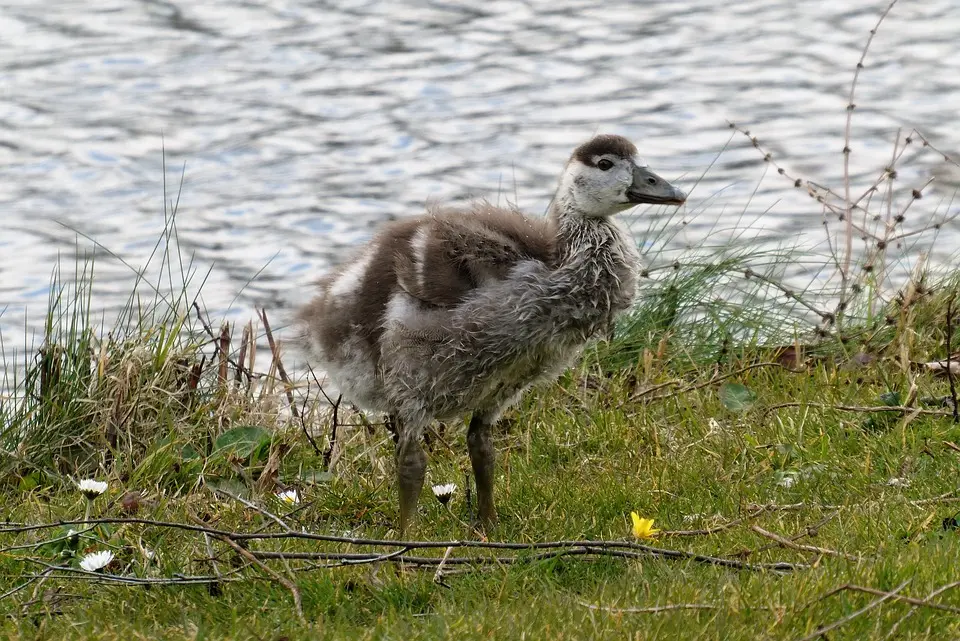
(848, 213)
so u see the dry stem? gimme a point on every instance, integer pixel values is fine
(656, 609)
(787, 543)
(822, 630)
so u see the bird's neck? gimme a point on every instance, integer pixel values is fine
(580, 237)
(595, 270)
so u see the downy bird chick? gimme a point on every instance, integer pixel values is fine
(459, 311)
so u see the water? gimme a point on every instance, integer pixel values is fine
(299, 126)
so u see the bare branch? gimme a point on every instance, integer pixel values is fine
(656, 609)
(787, 543)
(822, 630)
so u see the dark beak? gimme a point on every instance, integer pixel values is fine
(648, 187)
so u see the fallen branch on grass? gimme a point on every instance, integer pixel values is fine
(823, 629)
(241, 540)
(949, 496)
(900, 409)
(282, 580)
(655, 609)
(808, 530)
(787, 543)
(924, 602)
(642, 395)
(560, 548)
(898, 597)
(754, 513)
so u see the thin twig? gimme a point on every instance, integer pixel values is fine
(288, 386)
(899, 597)
(656, 609)
(848, 205)
(603, 549)
(785, 542)
(953, 387)
(211, 555)
(822, 630)
(642, 394)
(628, 549)
(946, 497)
(913, 610)
(438, 576)
(901, 409)
(67, 572)
(37, 544)
(215, 340)
(755, 512)
(303, 420)
(825, 316)
(250, 504)
(952, 446)
(24, 585)
(334, 423)
(282, 580)
(809, 530)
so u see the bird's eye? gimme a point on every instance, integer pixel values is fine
(604, 164)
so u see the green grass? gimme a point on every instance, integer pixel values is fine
(575, 459)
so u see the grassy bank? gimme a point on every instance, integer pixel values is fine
(802, 474)
(797, 448)
(730, 457)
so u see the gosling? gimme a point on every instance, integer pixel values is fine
(460, 311)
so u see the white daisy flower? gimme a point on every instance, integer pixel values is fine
(92, 489)
(290, 497)
(96, 561)
(898, 482)
(444, 492)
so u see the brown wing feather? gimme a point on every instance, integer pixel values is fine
(454, 251)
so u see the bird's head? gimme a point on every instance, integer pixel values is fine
(605, 176)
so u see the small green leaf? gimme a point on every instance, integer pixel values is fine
(29, 482)
(890, 399)
(241, 441)
(235, 487)
(879, 421)
(189, 453)
(736, 397)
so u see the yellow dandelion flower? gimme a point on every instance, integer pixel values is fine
(643, 528)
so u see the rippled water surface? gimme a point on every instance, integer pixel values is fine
(298, 126)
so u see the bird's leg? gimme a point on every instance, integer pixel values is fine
(411, 468)
(482, 457)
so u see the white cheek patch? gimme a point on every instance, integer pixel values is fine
(639, 162)
(567, 179)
